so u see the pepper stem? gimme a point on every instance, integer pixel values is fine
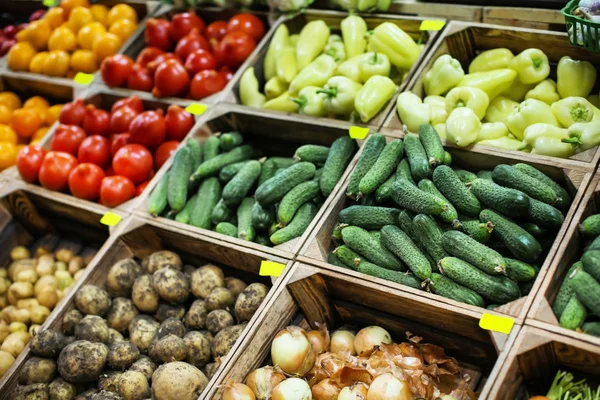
(537, 63)
(329, 92)
(301, 101)
(572, 140)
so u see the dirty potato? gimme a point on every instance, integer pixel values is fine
(145, 365)
(211, 368)
(92, 328)
(224, 340)
(219, 299)
(170, 348)
(47, 343)
(249, 300)
(218, 320)
(198, 349)
(6, 360)
(59, 389)
(205, 279)
(87, 395)
(121, 276)
(169, 311)
(106, 395)
(121, 313)
(133, 385)
(178, 380)
(37, 370)
(122, 354)
(171, 326)
(144, 296)
(82, 361)
(171, 285)
(114, 336)
(70, 320)
(109, 381)
(92, 300)
(36, 391)
(235, 285)
(196, 315)
(162, 259)
(141, 331)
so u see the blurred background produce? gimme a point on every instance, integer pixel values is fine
(11, 23)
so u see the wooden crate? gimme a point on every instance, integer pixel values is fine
(319, 244)
(533, 18)
(459, 12)
(570, 251)
(33, 219)
(136, 237)
(534, 359)
(278, 135)
(327, 297)
(333, 19)
(464, 41)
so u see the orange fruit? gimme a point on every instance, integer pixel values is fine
(36, 102)
(84, 61)
(36, 65)
(100, 13)
(7, 134)
(8, 155)
(5, 114)
(89, 33)
(53, 113)
(25, 121)
(107, 45)
(62, 38)
(79, 17)
(121, 11)
(10, 100)
(55, 17)
(123, 28)
(37, 33)
(57, 63)
(69, 5)
(40, 133)
(20, 55)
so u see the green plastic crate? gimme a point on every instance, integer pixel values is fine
(590, 31)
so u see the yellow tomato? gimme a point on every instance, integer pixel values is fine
(8, 155)
(55, 17)
(79, 17)
(69, 5)
(37, 33)
(25, 121)
(36, 102)
(121, 11)
(36, 65)
(57, 63)
(62, 38)
(53, 113)
(100, 13)
(7, 134)
(10, 100)
(84, 61)
(5, 114)
(89, 34)
(20, 55)
(107, 45)
(40, 133)
(123, 28)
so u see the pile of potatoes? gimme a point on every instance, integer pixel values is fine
(158, 329)
(30, 288)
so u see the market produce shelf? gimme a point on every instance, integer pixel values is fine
(536, 356)
(136, 237)
(319, 244)
(464, 41)
(333, 19)
(273, 135)
(313, 296)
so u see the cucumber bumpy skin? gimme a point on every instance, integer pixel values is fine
(338, 160)
(348, 257)
(244, 214)
(296, 228)
(545, 215)
(370, 152)
(451, 215)
(591, 263)
(229, 171)
(470, 250)
(210, 147)
(445, 287)
(563, 201)
(399, 243)
(370, 248)
(519, 271)
(403, 278)
(478, 230)
(226, 228)
(587, 290)
(158, 198)
(510, 202)
(369, 217)
(208, 197)
(573, 315)
(229, 140)
(293, 200)
(213, 165)
(408, 196)
(590, 227)
(429, 236)
(183, 216)
(417, 157)
(238, 188)
(312, 153)
(432, 144)
(509, 176)
(564, 292)
(262, 218)
(273, 190)
(447, 182)
(382, 169)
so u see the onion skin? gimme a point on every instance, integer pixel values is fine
(292, 352)
(292, 389)
(238, 391)
(262, 381)
(319, 341)
(358, 391)
(388, 387)
(368, 338)
(325, 390)
(342, 342)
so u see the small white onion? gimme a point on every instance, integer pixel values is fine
(342, 342)
(358, 391)
(292, 389)
(325, 390)
(238, 391)
(388, 387)
(292, 352)
(370, 337)
(263, 380)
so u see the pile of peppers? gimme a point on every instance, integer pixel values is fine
(352, 76)
(509, 102)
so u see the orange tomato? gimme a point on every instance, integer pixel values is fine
(5, 114)
(36, 65)
(107, 45)
(37, 33)
(42, 112)
(62, 38)
(10, 100)
(8, 155)
(53, 113)
(121, 11)
(7, 134)
(100, 13)
(36, 102)
(55, 17)
(57, 63)
(69, 5)
(123, 28)
(20, 55)
(79, 17)
(89, 33)
(25, 122)
(84, 61)
(40, 133)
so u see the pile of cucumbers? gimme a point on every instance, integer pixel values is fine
(225, 185)
(477, 238)
(577, 304)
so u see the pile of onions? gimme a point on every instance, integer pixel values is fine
(262, 381)
(342, 342)
(238, 391)
(292, 389)
(370, 337)
(388, 387)
(292, 352)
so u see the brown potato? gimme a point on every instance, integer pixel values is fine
(27, 304)
(122, 354)
(106, 395)
(37, 370)
(162, 259)
(121, 313)
(249, 300)
(19, 253)
(145, 365)
(59, 389)
(39, 314)
(76, 264)
(172, 326)
(170, 348)
(82, 361)
(92, 328)
(12, 314)
(4, 285)
(64, 255)
(4, 330)
(133, 385)
(47, 297)
(178, 380)
(165, 311)
(224, 340)
(47, 343)
(219, 299)
(69, 340)
(109, 381)
(143, 294)
(15, 343)
(114, 336)
(36, 391)
(235, 285)
(92, 300)
(27, 275)
(87, 395)
(17, 327)
(121, 277)
(171, 285)
(70, 320)
(218, 320)
(196, 315)
(6, 360)
(205, 279)
(45, 265)
(20, 290)
(141, 331)
(198, 349)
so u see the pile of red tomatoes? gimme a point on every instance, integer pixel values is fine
(106, 156)
(186, 58)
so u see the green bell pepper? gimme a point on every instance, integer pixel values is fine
(517, 91)
(312, 41)
(396, 44)
(315, 74)
(547, 140)
(505, 142)
(584, 135)
(354, 30)
(280, 39)
(351, 68)
(532, 65)
(286, 64)
(491, 131)
(445, 73)
(470, 97)
(340, 93)
(572, 110)
(249, 93)
(490, 60)
(544, 91)
(528, 113)
(282, 103)
(373, 96)
(499, 109)
(491, 82)
(575, 78)
(310, 102)
(335, 48)
(437, 105)
(294, 39)
(373, 64)
(462, 126)
(275, 88)
(412, 111)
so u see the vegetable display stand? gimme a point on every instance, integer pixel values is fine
(138, 238)
(464, 41)
(536, 355)
(316, 297)
(333, 19)
(533, 18)
(541, 313)
(34, 220)
(320, 244)
(273, 136)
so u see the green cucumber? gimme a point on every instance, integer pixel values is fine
(525, 287)
(274, 189)
(417, 157)
(225, 228)
(312, 153)
(339, 157)
(382, 169)
(157, 202)
(591, 263)
(267, 171)
(208, 197)
(210, 148)
(587, 290)
(545, 215)
(370, 152)
(228, 141)
(263, 240)
(429, 235)
(573, 315)
(221, 213)
(195, 151)
(238, 188)
(519, 242)
(590, 227)
(405, 221)
(370, 248)
(229, 171)
(383, 192)
(333, 259)
(470, 250)
(403, 171)
(564, 292)
(414, 199)
(451, 215)
(478, 230)
(519, 271)
(183, 216)
(262, 218)
(213, 166)
(595, 245)
(244, 214)
(282, 162)
(399, 243)
(510, 202)
(337, 231)
(498, 289)
(296, 228)
(447, 158)
(432, 144)
(563, 201)
(179, 174)
(293, 200)
(466, 177)
(535, 230)
(511, 177)
(318, 174)
(369, 217)
(445, 287)
(591, 328)
(485, 174)
(447, 182)
(406, 279)
(348, 257)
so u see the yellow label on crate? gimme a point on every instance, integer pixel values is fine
(432, 25)
(496, 323)
(357, 132)
(83, 79)
(271, 268)
(196, 108)
(110, 219)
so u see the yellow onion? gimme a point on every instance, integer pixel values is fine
(358, 391)
(319, 340)
(370, 337)
(238, 391)
(342, 342)
(292, 352)
(388, 387)
(325, 390)
(292, 389)
(263, 380)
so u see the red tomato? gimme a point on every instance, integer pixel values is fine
(85, 180)
(115, 69)
(133, 161)
(134, 102)
(72, 113)
(206, 83)
(116, 190)
(189, 43)
(139, 79)
(170, 79)
(94, 149)
(117, 141)
(179, 122)
(153, 65)
(236, 47)
(216, 30)
(109, 171)
(147, 55)
(200, 60)
(121, 118)
(96, 121)
(67, 138)
(55, 170)
(140, 188)
(148, 129)
(157, 34)
(183, 23)
(163, 153)
(226, 72)
(247, 23)
(29, 162)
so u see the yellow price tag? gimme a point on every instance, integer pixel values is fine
(83, 79)
(271, 268)
(110, 219)
(432, 25)
(196, 108)
(357, 132)
(496, 323)
(50, 3)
